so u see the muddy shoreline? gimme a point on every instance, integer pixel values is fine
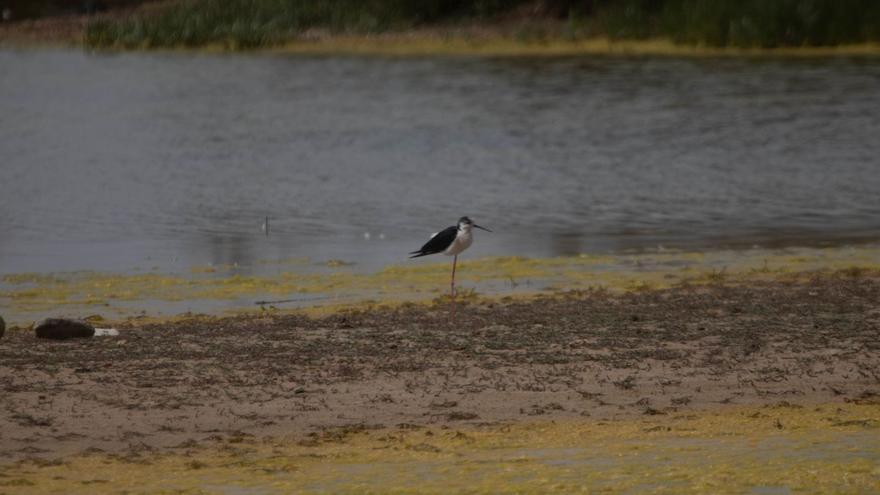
(166, 386)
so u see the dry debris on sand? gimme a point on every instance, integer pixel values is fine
(596, 354)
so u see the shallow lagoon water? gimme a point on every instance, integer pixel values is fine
(114, 162)
(299, 284)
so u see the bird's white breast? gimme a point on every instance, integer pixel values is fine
(463, 240)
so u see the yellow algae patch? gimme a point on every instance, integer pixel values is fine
(437, 275)
(203, 269)
(25, 278)
(831, 448)
(334, 263)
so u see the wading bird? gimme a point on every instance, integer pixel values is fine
(450, 241)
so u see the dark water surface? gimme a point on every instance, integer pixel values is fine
(114, 162)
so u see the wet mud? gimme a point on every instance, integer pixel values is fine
(586, 355)
(782, 448)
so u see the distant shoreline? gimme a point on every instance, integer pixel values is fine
(489, 39)
(426, 46)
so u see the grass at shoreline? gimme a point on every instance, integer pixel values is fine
(252, 24)
(461, 27)
(419, 44)
(465, 40)
(505, 47)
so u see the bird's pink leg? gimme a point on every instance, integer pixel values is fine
(452, 286)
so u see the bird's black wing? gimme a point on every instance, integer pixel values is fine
(438, 243)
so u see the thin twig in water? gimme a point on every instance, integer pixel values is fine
(299, 299)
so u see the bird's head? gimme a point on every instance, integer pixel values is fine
(466, 224)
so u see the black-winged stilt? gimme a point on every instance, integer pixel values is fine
(451, 241)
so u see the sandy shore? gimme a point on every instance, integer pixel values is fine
(598, 355)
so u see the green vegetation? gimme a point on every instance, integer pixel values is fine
(257, 23)
(29, 9)
(736, 23)
(768, 24)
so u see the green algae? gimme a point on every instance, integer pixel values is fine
(832, 448)
(296, 284)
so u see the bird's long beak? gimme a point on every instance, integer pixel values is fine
(484, 228)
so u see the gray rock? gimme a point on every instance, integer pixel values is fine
(2, 327)
(61, 328)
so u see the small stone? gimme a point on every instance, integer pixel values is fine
(61, 329)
